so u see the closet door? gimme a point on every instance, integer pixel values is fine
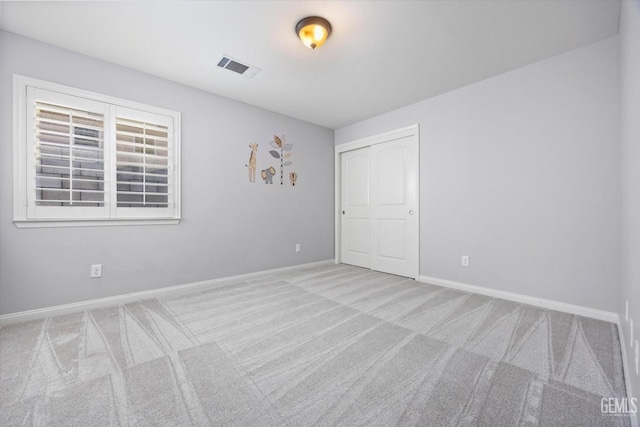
(356, 209)
(379, 202)
(394, 207)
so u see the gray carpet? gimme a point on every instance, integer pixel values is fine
(329, 345)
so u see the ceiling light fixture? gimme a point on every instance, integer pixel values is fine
(313, 31)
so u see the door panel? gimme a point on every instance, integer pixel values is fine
(358, 180)
(391, 238)
(394, 207)
(356, 212)
(358, 236)
(391, 163)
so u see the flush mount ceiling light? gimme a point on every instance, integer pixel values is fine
(313, 31)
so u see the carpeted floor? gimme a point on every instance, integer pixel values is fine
(328, 345)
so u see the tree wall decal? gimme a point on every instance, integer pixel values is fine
(281, 143)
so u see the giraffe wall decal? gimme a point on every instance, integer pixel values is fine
(252, 162)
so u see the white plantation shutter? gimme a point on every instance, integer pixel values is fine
(142, 164)
(66, 160)
(69, 156)
(85, 156)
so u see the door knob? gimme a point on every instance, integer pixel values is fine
(343, 212)
(410, 212)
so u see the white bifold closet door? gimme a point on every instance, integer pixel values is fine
(380, 221)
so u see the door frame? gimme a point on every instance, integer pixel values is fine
(380, 138)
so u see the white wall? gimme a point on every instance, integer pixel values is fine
(230, 226)
(630, 113)
(521, 173)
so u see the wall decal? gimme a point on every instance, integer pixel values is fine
(252, 162)
(293, 177)
(280, 142)
(267, 175)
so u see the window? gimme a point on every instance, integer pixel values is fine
(82, 158)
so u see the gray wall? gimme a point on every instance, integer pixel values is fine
(630, 101)
(521, 173)
(229, 226)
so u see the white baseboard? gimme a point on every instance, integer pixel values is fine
(627, 369)
(607, 316)
(41, 313)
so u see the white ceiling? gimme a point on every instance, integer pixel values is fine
(381, 55)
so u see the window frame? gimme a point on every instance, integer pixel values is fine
(24, 170)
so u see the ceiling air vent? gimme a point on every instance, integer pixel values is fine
(229, 63)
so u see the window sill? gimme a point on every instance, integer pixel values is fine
(93, 222)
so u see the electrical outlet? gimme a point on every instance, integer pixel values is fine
(96, 271)
(637, 357)
(297, 247)
(465, 260)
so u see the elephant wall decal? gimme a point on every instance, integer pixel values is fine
(267, 175)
